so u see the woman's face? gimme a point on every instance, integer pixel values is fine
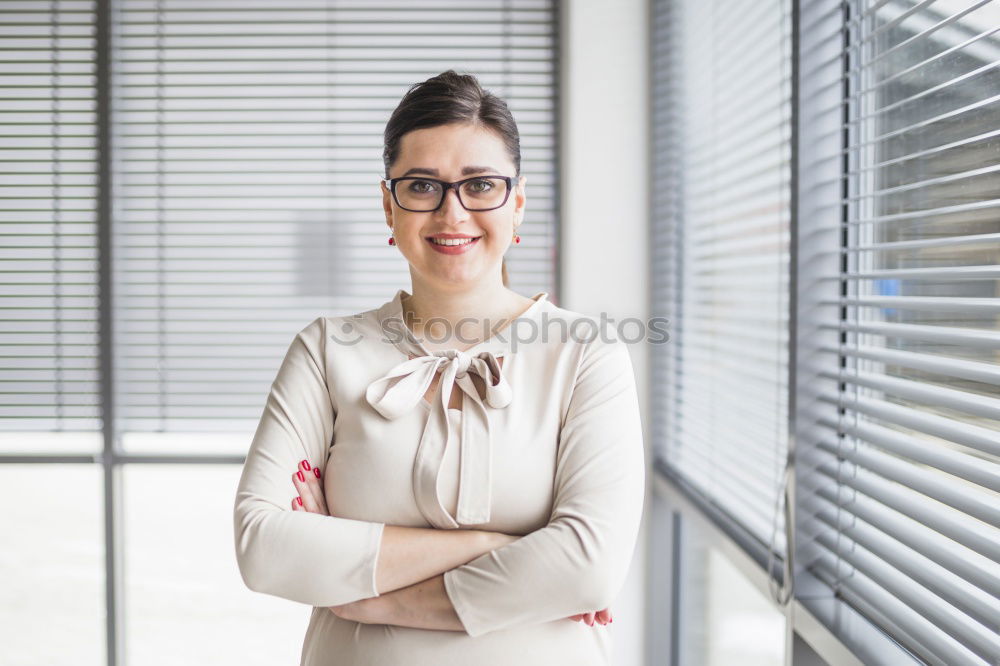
(451, 153)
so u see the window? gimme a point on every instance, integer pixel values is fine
(721, 174)
(248, 154)
(900, 464)
(893, 256)
(187, 184)
(49, 330)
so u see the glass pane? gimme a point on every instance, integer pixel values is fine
(188, 443)
(262, 211)
(927, 170)
(724, 618)
(49, 332)
(744, 625)
(185, 600)
(52, 565)
(35, 443)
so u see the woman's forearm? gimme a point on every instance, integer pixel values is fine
(424, 605)
(410, 555)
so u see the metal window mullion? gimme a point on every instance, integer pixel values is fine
(114, 584)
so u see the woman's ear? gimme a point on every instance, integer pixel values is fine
(387, 203)
(520, 199)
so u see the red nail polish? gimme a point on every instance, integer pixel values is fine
(299, 500)
(305, 463)
(302, 477)
(316, 471)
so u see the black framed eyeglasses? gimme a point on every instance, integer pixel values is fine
(424, 195)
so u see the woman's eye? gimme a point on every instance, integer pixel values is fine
(480, 186)
(421, 186)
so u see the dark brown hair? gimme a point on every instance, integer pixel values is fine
(448, 98)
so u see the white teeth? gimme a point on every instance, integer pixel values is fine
(452, 241)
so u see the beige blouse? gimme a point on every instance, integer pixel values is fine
(548, 447)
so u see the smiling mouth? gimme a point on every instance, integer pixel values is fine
(453, 242)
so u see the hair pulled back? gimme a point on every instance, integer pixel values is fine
(447, 98)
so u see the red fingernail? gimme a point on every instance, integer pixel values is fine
(299, 500)
(305, 463)
(316, 471)
(302, 477)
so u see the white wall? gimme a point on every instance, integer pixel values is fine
(605, 135)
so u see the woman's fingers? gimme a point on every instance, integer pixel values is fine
(307, 483)
(602, 616)
(305, 492)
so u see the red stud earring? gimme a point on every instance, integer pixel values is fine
(517, 239)
(392, 240)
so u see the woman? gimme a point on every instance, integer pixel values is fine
(460, 498)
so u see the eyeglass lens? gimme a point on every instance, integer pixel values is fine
(477, 194)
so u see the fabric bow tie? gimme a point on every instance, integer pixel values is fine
(398, 392)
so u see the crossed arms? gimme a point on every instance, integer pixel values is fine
(576, 563)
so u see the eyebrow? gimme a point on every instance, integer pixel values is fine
(466, 171)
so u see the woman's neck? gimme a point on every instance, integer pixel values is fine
(434, 316)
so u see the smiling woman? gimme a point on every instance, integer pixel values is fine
(466, 501)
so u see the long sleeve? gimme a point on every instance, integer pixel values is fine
(305, 557)
(577, 562)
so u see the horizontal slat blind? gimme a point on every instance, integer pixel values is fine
(721, 178)
(49, 369)
(248, 153)
(904, 470)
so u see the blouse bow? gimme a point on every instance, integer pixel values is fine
(399, 390)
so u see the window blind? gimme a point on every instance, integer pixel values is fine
(900, 470)
(247, 160)
(720, 230)
(49, 369)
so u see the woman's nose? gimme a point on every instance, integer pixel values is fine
(451, 207)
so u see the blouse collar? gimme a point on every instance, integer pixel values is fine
(394, 329)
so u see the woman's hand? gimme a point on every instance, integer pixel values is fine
(601, 616)
(311, 497)
(365, 611)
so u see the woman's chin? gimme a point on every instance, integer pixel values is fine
(453, 276)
